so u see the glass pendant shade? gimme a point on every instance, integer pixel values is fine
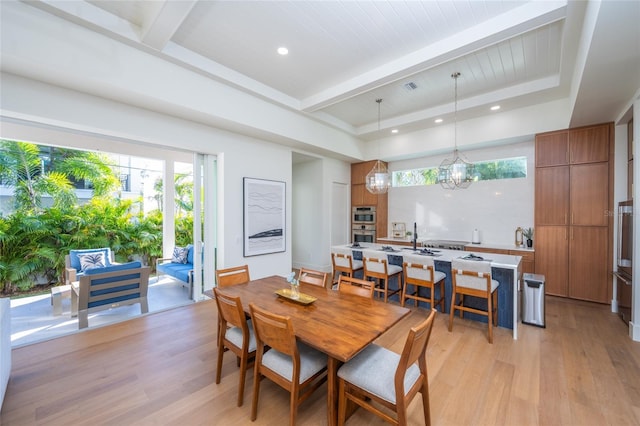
(378, 180)
(456, 172)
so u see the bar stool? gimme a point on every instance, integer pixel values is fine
(473, 278)
(344, 264)
(423, 275)
(380, 270)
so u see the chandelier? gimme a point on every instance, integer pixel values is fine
(378, 180)
(455, 172)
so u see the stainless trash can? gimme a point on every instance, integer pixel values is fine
(533, 300)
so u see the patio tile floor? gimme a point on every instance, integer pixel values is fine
(32, 318)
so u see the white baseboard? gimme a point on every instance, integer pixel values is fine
(634, 331)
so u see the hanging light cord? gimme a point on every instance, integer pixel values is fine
(455, 76)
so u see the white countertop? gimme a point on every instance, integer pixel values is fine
(469, 246)
(497, 260)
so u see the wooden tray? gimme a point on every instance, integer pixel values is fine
(303, 299)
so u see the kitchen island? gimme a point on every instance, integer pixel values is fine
(506, 269)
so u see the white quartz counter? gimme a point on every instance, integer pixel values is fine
(497, 260)
(489, 246)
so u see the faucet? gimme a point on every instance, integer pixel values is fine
(415, 236)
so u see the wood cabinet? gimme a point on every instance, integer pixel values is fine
(361, 197)
(586, 144)
(589, 194)
(552, 149)
(574, 231)
(552, 258)
(587, 276)
(552, 187)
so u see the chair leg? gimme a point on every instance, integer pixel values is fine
(452, 310)
(293, 404)
(219, 363)
(243, 373)
(426, 407)
(342, 403)
(490, 316)
(257, 377)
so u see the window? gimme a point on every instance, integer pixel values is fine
(506, 168)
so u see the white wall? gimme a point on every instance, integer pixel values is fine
(496, 208)
(112, 123)
(313, 211)
(307, 214)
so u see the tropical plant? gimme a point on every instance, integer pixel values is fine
(23, 166)
(527, 233)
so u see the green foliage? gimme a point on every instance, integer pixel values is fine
(509, 168)
(35, 239)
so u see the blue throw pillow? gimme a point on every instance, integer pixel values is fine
(180, 255)
(91, 261)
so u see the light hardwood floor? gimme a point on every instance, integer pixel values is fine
(160, 369)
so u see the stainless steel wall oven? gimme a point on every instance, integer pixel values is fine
(363, 215)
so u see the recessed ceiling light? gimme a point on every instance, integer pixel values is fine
(438, 120)
(283, 51)
(394, 131)
(495, 107)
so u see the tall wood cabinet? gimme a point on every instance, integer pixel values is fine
(361, 197)
(573, 205)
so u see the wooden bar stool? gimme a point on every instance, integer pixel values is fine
(423, 275)
(473, 278)
(380, 270)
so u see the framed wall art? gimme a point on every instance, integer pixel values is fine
(264, 216)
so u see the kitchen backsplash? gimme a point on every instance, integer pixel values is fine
(496, 208)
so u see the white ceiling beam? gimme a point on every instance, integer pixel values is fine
(163, 22)
(517, 21)
(86, 14)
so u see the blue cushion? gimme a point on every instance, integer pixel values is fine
(190, 254)
(114, 268)
(74, 260)
(179, 271)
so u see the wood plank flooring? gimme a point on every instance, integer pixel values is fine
(160, 369)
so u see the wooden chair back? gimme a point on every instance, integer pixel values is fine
(233, 276)
(231, 312)
(309, 276)
(352, 285)
(230, 309)
(378, 269)
(422, 275)
(414, 351)
(276, 332)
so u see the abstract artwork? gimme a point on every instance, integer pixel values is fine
(264, 216)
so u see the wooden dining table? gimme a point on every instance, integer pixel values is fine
(339, 325)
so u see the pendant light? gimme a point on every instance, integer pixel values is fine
(457, 172)
(378, 180)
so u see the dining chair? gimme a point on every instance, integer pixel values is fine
(382, 272)
(423, 275)
(343, 263)
(292, 365)
(309, 276)
(233, 276)
(357, 286)
(238, 338)
(473, 278)
(378, 377)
